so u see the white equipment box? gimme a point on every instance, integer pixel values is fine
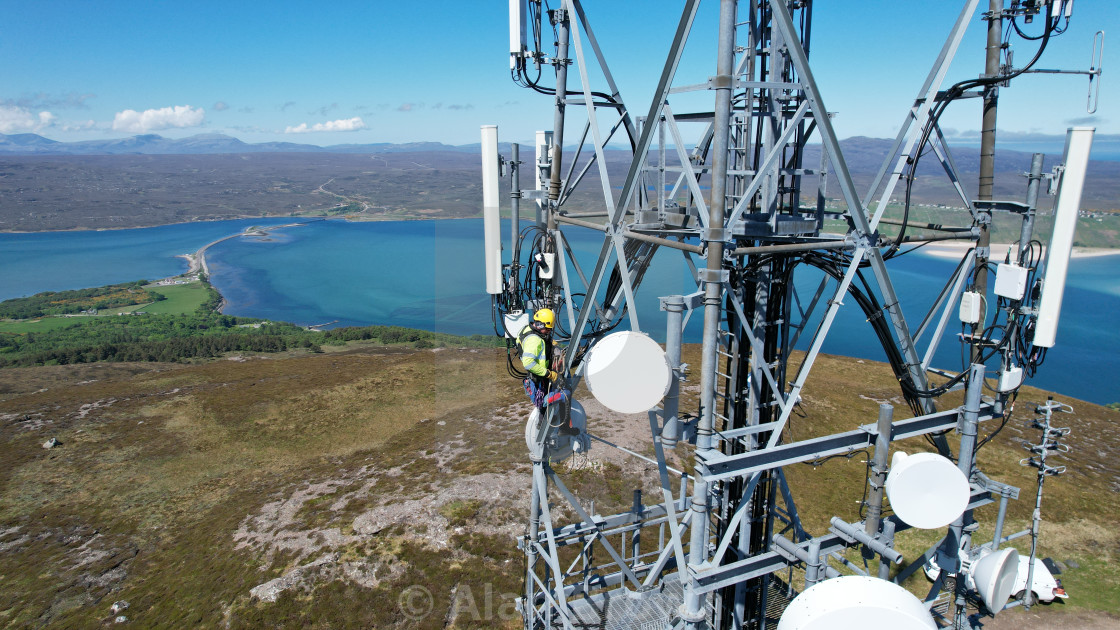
(970, 307)
(1011, 281)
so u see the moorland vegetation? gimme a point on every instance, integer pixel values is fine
(315, 490)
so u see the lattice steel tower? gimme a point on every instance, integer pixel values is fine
(748, 210)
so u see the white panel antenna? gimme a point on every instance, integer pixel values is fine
(994, 575)
(491, 220)
(628, 372)
(926, 490)
(1079, 140)
(517, 44)
(856, 602)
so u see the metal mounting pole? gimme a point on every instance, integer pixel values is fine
(879, 470)
(969, 421)
(888, 539)
(561, 63)
(515, 211)
(987, 159)
(813, 566)
(674, 321)
(1027, 231)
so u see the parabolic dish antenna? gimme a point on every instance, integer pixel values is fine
(854, 602)
(557, 447)
(926, 490)
(994, 575)
(628, 372)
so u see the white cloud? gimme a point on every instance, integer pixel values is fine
(19, 119)
(220, 106)
(84, 125)
(178, 117)
(343, 124)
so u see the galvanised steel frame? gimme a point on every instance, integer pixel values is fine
(723, 532)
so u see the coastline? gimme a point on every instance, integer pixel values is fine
(197, 261)
(956, 250)
(145, 227)
(358, 218)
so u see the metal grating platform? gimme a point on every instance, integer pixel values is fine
(624, 609)
(778, 598)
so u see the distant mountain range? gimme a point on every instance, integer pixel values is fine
(862, 153)
(857, 150)
(206, 143)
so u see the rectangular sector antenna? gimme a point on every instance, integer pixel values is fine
(491, 221)
(1076, 159)
(517, 46)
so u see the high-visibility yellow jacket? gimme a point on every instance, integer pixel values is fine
(534, 351)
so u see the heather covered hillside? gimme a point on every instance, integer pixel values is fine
(322, 489)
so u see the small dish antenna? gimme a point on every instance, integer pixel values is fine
(856, 602)
(994, 575)
(628, 372)
(515, 323)
(926, 490)
(556, 446)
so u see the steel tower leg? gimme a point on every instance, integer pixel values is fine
(693, 611)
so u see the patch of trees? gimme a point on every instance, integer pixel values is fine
(76, 301)
(164, 350)
(398, 334)
(153, 337)
(213, 300)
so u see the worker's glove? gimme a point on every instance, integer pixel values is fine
(552, 375)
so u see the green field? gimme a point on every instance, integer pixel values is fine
(181, 299)
(24, 326)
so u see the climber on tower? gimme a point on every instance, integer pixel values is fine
(535, 341)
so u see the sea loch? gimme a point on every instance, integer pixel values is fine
(428, 274)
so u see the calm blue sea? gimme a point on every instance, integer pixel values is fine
(428, 274)
(57, 261)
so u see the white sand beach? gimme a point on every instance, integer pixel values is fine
(999, 250)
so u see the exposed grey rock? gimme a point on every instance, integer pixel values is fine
(120, 619)
(270, 591)
(118, 606)
(1073, 564)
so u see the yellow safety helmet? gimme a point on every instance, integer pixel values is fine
(546, 317)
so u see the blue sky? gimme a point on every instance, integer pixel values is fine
(361, 72)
